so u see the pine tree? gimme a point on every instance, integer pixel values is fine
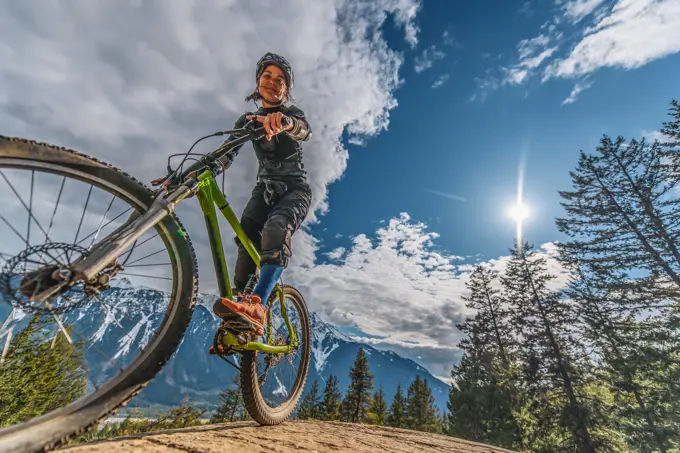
(482, 407)
(377, 412)
(332, 399)
(396, 417)
(359, 392)
(345, 410)
(632, 364)
(542, 321)
(232, 406)
(622, 215)
(671, 140)
(492, 318)
(420, 407)
(309, 408)
(480, 402)
(42, 372)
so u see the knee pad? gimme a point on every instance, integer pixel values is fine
(276, 238)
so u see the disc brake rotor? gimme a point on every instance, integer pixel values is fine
(19, 286)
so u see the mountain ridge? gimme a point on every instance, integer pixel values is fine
(194, 374)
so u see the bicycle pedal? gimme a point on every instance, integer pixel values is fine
(238, 325)
(241, 337)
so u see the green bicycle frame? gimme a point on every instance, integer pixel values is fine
(209, 195)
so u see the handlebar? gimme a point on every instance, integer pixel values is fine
(244, 134)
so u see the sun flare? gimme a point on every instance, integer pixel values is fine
(519, 212)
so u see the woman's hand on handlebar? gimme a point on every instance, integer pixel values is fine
(273, 123)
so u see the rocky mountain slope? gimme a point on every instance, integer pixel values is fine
(129, 320)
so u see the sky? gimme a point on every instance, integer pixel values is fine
(426, 116)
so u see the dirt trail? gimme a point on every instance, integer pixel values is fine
(292, 436)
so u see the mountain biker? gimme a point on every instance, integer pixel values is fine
(281, 198)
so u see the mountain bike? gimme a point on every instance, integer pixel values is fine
(66, 276)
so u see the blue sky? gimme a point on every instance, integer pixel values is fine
(444, 97)
(441, 140)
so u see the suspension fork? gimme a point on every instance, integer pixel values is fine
(110, 247)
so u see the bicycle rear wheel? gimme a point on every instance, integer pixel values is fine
(269, 405)
(151, 321)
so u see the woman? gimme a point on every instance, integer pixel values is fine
(281, 198)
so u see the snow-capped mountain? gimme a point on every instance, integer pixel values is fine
(126, 318)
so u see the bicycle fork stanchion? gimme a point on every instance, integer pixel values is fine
(110, 247)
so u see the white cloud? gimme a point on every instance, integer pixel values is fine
(623, 34)
(532, 53)
(634, 33)
(578, 89)
(336, 253)
(448, 39)
(133, 82)
(440, 81)
(396, 286)
(576, 10)
(427, 58)
(650, 136)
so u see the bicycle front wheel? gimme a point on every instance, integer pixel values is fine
(68, 361)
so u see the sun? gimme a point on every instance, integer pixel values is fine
(519, 212)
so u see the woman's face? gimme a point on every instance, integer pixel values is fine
(272, 84)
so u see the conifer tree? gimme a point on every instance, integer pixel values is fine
(358, 394)
(480, 405)
(396, 417)
(332, 399)
(309, 408)
(632, 364)
(622, 215)
(377, 412)
(345, 410)
(420, 407)
(42, 372)
(542, 321)
(671, 140)
(232, 407)
(483, 405)
(492, 318)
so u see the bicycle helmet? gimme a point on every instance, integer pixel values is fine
(278, 60)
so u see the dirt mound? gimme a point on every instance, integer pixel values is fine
(292, 436)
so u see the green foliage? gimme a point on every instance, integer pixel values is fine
(482, 402)
(358, 395)
(377, 411)
(309, 407)
(634, 355)
(232, 407)
(396, 417)
(332, 398)
(622, 215)
(41, 373)
(555, 363)
(421, 413)
(181, 416)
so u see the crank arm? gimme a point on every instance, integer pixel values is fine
(114, 244)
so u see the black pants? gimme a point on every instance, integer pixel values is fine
(270, 227)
